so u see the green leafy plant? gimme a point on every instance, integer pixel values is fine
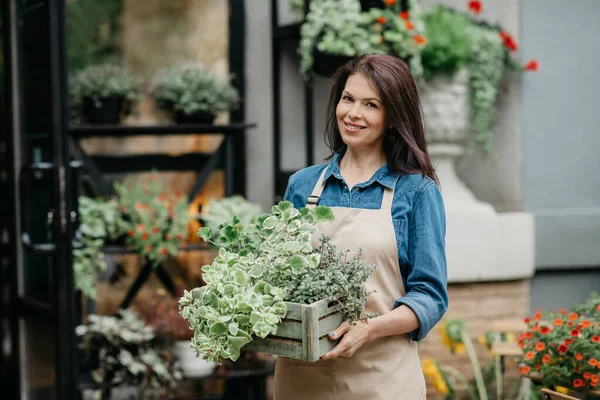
(99, 220)
(123, 350)
(336, 27)
(161, 312)
(155, 221)
(457, 40)
(563, 347)
(260, 266)
(189, 88)
(98, 83)
(219, 211)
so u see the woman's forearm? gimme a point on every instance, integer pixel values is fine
(396, 322)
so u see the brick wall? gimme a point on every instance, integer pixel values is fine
(478, 304)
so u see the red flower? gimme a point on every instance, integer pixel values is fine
(179, 236)
(420, 39)
(409, 25)
(593, 362)
(145, 236)
(596, 339)
(381, 20)
(149, 248)
(404, 15)
(544, 330)
(475, 6)
(579, 356)
(163, 251)
(562, 348)
(558, 322)
(528, 335)
(546, 359)
(530, 355)
(131, 233)
(598, 307)
(573, 316)
(575, 332)
(525, 369)
(539, 346)
(563, 311)
(527, 320)
(587, 375)
(140, 227)
(532, 65)
(577, 383)
(538, 367)
(390, 2)
(155, 229)
(509, 42)
(139, 205)
(568, 341)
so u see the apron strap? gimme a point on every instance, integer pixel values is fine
(313, 199)
(388, 197)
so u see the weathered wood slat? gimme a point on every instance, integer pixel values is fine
(282, 347)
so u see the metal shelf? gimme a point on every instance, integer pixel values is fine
(85, 131)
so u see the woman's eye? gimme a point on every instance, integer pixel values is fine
(372, 105)
(347, 98)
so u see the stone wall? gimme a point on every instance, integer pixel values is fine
(478, 304)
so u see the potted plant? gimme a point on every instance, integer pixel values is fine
(264, 269)
(562, 348)
(336, 31)
(192, 94)
(155, 221)
(102, 94)
(122, 351)
(98, 222)
(220, 211)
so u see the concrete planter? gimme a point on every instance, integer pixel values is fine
(192, 366)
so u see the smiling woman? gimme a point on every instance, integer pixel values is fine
(382, 189)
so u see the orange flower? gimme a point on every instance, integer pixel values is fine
(163, 251)
(155, 229)
(563, 311)
(593, 362)
(579, 356)
(381, 20)
(546, 359)
(131, 233)
(420, 39)
(573, 316)
(528, 335)
(140, 227)
(570, 323)
(139, 205)
(149, 248)
(168, 236)
(587, 375)
(595, 378)
(540, 346)
(145, 236)
(475, 6)
(598, 307)
(179, 236)
(409, 25)
(537, 316)
(530, 355)
(404, 15)
(585, 323)
(525, 369)
(527, 320)
(535, 328)
(558, 322)
(578, 383)
(390, 2)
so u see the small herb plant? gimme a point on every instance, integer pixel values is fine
(191, 88)
(259, 267)
(99, 220)
(156, 222)
(123, 350)
(219, 211)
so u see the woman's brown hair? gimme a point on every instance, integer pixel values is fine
(404, 143)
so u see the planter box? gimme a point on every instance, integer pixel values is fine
(302, 334)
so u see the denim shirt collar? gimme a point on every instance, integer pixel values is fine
(383, 175)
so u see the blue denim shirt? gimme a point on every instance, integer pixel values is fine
(419, 222)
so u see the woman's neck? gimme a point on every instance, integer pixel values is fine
(358, 166)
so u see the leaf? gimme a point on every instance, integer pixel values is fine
(297, 263)
(292, 246)
(229, 289)
(218, 328)
(237, 341)
(244, 308)
(204, 233)
(240, 277)
(233, 328)
(242, 320)
(225, 318)
(323, 213)
(270, 222)
(284, 205)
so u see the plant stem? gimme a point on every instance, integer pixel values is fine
(455, 373)
(475, 363)
(499, 379)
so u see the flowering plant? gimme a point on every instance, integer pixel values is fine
(564, 346)
(156, 222)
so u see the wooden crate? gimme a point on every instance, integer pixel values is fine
(302, 334)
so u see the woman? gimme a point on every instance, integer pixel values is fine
(383, 192)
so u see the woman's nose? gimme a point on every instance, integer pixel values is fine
(355, 112)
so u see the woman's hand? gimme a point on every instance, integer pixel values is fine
(353, 337)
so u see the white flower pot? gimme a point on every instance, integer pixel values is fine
(192, 366)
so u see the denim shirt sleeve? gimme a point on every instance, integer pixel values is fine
(426, 280)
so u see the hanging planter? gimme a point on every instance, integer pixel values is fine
(366, 5)
(326, 64)
(198, 117)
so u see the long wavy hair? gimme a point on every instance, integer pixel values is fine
(404, 143)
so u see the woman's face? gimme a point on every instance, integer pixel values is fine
(360, 114)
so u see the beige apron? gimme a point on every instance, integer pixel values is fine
(383, 369)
